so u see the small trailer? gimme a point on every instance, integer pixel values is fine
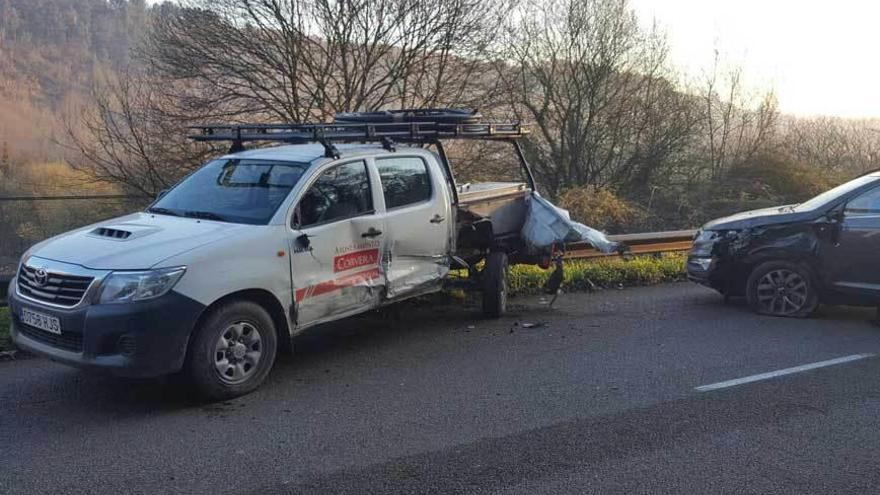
(327, 221)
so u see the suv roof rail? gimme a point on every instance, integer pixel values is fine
(409, 126)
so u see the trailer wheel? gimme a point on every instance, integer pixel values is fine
(495, 284)
(232, 351)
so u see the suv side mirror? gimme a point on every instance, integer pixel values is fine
(836, 214)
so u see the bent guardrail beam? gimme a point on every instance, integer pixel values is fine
(642, 243)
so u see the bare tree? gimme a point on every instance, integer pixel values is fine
(736, 124)
(833, 144)
(126, 137)
(298, 60)
(593, 82)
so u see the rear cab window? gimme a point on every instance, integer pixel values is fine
(406, 181)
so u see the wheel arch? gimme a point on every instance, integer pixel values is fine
(267, 301)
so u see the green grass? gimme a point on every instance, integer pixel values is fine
(5, 343)
(603, 272)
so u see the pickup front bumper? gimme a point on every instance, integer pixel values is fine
(142, 339)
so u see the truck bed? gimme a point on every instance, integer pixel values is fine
(504, 203)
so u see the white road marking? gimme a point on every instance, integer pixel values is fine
(786, 371)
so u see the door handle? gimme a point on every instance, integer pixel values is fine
(372, 232)
(437, 219)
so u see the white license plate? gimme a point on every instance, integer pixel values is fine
(39, 320)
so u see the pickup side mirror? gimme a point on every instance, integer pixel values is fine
(303, 242)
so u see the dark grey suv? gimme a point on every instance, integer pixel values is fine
(788, 259)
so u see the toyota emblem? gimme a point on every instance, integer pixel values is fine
(41, 277)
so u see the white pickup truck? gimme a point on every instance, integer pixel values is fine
(221, 271)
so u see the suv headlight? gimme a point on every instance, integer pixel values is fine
(123, 287)
(705, 241)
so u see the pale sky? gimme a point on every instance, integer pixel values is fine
(821, 57)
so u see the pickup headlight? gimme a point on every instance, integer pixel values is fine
(123, 287)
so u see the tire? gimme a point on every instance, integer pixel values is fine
(232, 351)
(782, 288)
(495, 285)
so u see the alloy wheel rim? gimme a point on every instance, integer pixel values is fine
(782, 292)
(237, 352)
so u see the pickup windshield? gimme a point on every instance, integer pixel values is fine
(232, 190)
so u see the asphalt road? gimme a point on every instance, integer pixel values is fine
(599, 398)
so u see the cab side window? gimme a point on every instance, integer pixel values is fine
(339, 193)
(868, 203)
(405, 181)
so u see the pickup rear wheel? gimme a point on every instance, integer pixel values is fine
(782, 288)
(232, 350)
(495, 284)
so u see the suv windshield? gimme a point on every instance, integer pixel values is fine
(832, 194)
(232, 190)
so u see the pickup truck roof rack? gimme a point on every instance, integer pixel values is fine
(327, 134)
(421, 126)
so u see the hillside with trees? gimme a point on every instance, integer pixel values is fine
(52, 53)
(97, 95)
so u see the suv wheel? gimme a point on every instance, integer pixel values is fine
(782, 288)
(495, 284)
(232, 351)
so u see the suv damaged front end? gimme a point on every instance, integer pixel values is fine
(712, 259)
(724, 253)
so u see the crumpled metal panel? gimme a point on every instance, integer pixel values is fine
(547, 224)
(356, 283)
(415, 274)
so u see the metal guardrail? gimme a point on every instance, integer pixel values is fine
(645, 243)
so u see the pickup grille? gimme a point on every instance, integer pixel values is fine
(63, 290)
(67, 341)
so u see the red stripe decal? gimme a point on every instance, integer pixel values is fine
(337, 284)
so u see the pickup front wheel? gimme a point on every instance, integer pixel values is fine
(495, 284)
(232, 350)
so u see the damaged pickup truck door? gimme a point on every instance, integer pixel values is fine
(853, 262)
(335, 240)
(418, 220)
